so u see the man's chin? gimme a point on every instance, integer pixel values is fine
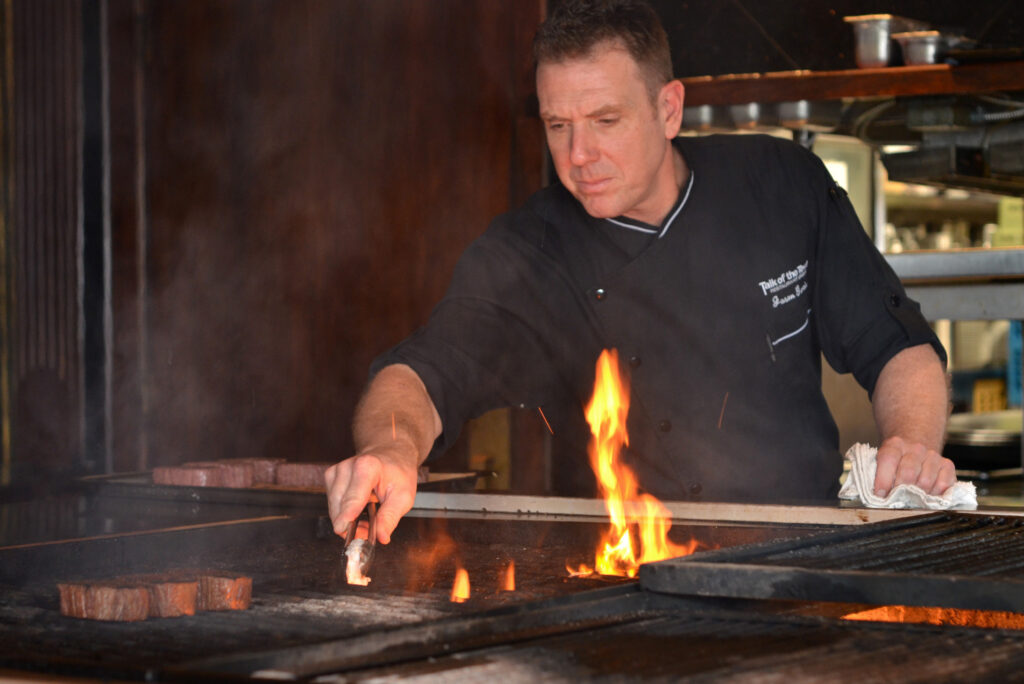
(597, 207)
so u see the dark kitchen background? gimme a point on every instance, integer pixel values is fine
(217, 212)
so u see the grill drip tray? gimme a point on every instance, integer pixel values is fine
(953, 560)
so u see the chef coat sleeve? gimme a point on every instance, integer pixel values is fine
(480, 350)
(865, 317)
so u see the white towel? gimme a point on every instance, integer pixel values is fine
(860, 484)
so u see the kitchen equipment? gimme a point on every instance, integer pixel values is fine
(984, 441)
(305, 622)
(813, 116)
(300, 596)
(366, 547)
(699, 118)
(872, 37)
(745, 116)
(955, 560)
(921, 47)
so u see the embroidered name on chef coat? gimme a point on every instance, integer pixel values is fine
(778, 287)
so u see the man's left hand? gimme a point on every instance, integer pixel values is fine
(904, 462)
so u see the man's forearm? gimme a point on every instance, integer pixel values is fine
(396, 410)
(394, 427)
(911, 398)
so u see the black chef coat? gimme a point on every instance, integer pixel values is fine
(720, 319)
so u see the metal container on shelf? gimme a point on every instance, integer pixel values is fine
(745, 115)
(813, 116)
(921, 47)
(984, 441)
(872, 36)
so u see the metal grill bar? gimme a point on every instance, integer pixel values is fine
(867, 545)
(924, 552)
(952, 560)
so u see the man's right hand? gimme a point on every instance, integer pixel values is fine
(393, 429)
(388, 471)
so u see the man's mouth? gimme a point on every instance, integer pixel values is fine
(593, 186)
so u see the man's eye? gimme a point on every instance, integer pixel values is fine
(556, 126)
(607, 121)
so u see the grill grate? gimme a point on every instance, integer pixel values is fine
(952, 560)
(981, 546)
(629, 635)
(299, 597)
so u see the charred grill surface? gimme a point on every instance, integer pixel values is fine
(707, 646)
(305, 621)
(299, 593)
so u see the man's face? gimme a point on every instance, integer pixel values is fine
(609, 142)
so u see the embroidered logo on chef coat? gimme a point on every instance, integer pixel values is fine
(786, 286)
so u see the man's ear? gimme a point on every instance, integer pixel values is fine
(670, 107)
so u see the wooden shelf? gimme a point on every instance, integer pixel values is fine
(976, 208)
(791, 86)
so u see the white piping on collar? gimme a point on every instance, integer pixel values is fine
(686, 196)
(668, 222)
(630, 226)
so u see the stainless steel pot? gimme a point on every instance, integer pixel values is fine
(984, 441)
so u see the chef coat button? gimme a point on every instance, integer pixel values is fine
(599, 294)
(894, 300)
(665, 425)
(634, 361)
(695, 489)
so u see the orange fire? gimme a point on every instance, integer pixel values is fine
(991, 619)
(422, 559)
(606, 413)
(509, 582)
(460, 589)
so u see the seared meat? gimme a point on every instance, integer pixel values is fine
(239, 473)
(190, 475)
(264, 469)
(224, 592)
(309, 475)
(114, 600)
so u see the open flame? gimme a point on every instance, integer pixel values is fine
(509, 580)
(991, 619)
(434, 549)
(619, 553)
(460, 589)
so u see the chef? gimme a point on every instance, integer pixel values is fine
(720, 268)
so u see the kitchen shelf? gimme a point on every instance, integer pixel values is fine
(791, 86)
(977, 208)
(965, 284)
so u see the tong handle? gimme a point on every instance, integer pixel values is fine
(371, 514)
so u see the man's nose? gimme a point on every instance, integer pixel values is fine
(582, 147)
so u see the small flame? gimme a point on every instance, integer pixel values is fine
(509, 583)
(606, 413)
(460, 589)
(581, 570)
(990, 619)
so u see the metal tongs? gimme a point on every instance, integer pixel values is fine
(366, 548)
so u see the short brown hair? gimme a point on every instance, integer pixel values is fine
(576, 27)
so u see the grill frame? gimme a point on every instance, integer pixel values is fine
(570, 632)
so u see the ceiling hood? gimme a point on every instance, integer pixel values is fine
(980, 153)
(963, 122)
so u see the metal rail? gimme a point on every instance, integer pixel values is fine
(506, 506)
